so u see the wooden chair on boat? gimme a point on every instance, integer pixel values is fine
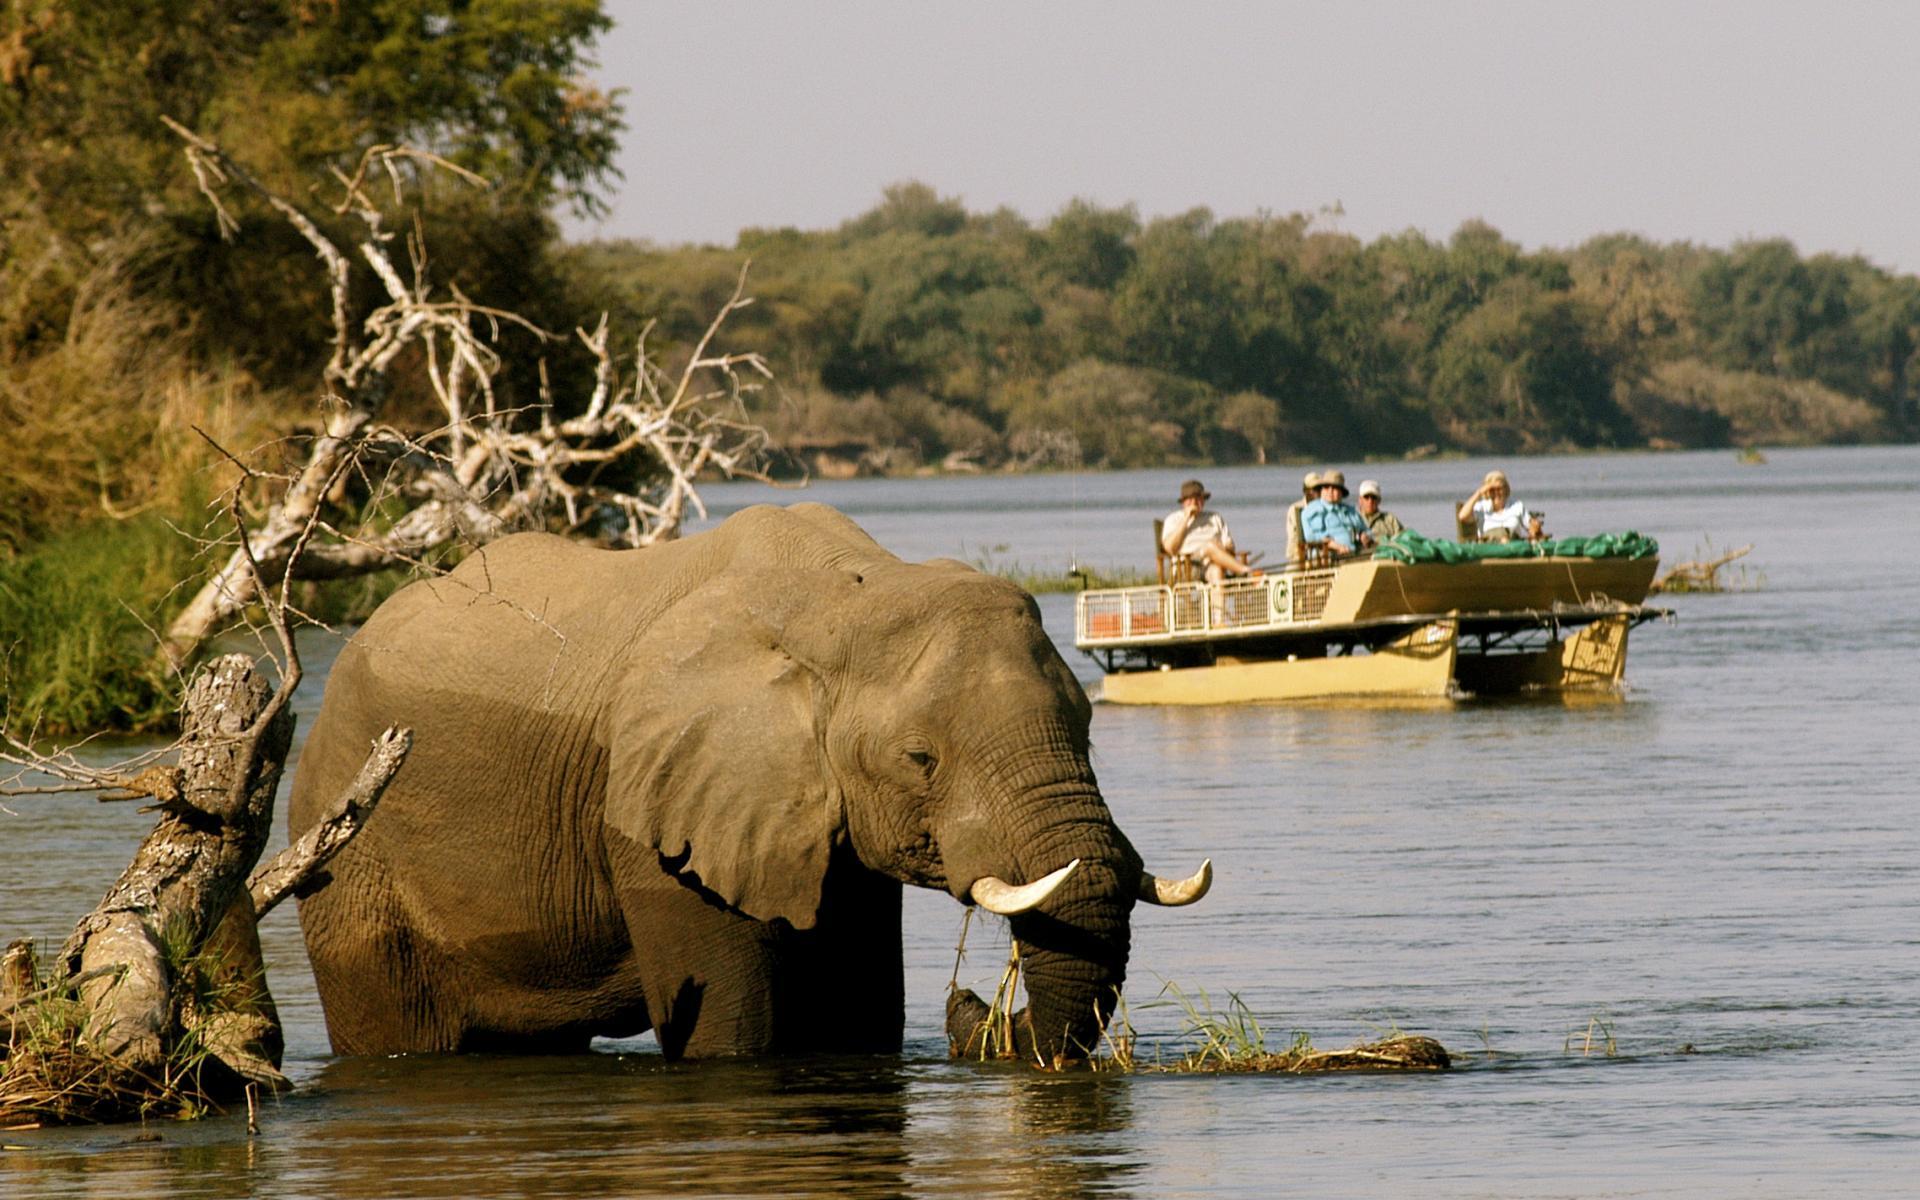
(1173, 569)
(1169, 568)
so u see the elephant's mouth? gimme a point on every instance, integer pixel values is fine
(1076, 967)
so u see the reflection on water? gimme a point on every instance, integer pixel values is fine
(1718, 872)
(623, 1125)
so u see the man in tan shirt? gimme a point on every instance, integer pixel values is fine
(1380, 523)
(1200, 535)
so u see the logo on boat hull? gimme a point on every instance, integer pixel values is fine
(1280, 596)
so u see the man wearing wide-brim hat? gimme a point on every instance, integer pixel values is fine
(1200, 535)
(1332, 525)
(1309, 491)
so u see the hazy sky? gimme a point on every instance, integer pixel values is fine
(1552, 121)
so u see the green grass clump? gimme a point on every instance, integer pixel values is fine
(79, 615)
(51, 1074)
(1234, 1041)
(1075, 577)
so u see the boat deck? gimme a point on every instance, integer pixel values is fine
(1319, 628)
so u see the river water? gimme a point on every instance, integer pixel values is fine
(1673, 940)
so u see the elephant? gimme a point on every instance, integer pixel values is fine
(680, 788)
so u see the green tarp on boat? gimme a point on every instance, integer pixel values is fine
(1411, 547)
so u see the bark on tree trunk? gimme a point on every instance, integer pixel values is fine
(187, 876)
(175, 1009)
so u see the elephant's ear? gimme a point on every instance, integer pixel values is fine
(717, 759)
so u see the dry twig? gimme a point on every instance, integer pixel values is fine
(622, 470)
(1703, 576)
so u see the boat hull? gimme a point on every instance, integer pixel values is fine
(1426, 663)
(1371, 627)
(1419, 664)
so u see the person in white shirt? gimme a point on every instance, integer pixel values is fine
(1492, 513)
(1200, 535)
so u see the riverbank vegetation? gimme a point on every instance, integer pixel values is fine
(149, 338)
(922, 334)
(135, 339)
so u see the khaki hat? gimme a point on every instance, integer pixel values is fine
(1369, 488)
(1493, 477)
(1310, 482)
(1193, 487)
(1334, 479)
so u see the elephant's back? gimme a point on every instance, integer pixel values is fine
(499, 669)
(530, 626)
(516, 635)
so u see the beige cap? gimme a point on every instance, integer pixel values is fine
(1369, 488)
(1310, 481)
(1334, 479)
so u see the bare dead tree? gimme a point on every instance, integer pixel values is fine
(619, 466)
(186, 903)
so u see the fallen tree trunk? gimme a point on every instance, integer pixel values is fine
(159, 998)
(183, 881)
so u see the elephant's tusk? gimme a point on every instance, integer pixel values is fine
(998, 896)
(1172, 895)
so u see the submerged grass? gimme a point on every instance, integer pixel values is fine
(51, 1072)
(1597, 1027)
(1075, 577)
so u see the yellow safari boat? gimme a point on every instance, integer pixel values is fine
(1420, 619)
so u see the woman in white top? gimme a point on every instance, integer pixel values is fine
(1492, 512)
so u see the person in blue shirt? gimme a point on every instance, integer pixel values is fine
(1332, 525)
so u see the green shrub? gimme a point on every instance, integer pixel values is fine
(78, 621)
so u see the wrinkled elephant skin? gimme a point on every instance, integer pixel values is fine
(679, 788)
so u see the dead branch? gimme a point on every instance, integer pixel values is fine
(183, 909)
(296, 867)
(1697, 576)
(623, 471)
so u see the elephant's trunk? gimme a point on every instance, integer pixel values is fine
(1074, 960)
(1040, 809)
(1073, 957)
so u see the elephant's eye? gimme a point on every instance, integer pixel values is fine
(923, 758)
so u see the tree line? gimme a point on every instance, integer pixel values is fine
(927, 334)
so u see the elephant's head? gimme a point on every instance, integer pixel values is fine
(816, 692)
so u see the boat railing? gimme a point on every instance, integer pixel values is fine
(1169, 611)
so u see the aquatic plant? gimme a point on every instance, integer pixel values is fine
(1596, 1024)
(1702, 573)
(52, 1074)
(1075, 577)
